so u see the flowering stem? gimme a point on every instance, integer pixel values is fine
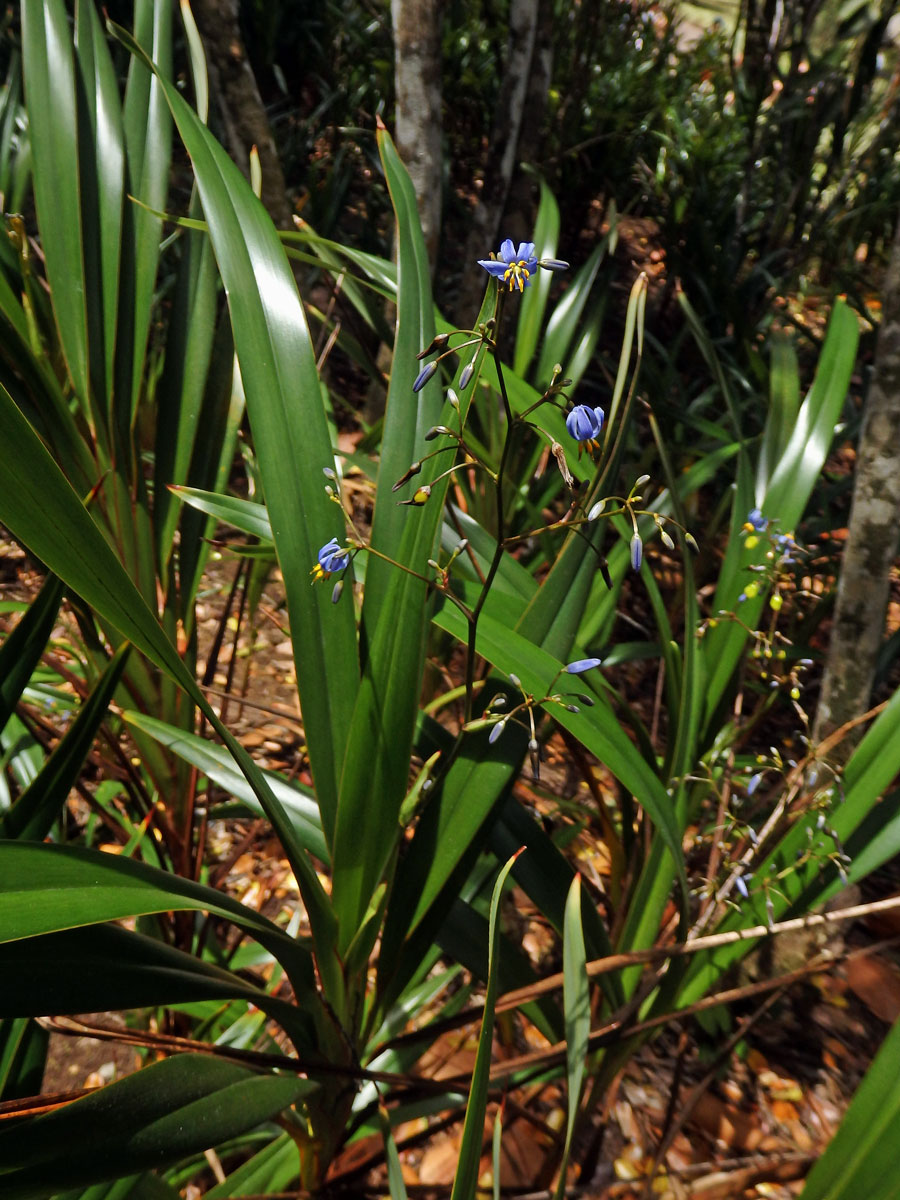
(501, 529)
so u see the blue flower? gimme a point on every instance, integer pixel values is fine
(584, 425)
(513, 266)
(331, 558)
(755, 521)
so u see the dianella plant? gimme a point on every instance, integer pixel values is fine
(506, 528)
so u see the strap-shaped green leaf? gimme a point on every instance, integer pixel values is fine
(465, 1181)
(104, 967)
(272, 1169)
(101, 154)
(50, 92)
(39, 506)
(290, 433)
(246, 515)
(217, 764)
(49, 887)
(395, 613)
(21, 651)
(23, 1056)
(39, 805)
(792, 480)
(577, 1009)
(597, 728)
(147, 127)
(168, 1110)
(533, 303)
(864, 1157)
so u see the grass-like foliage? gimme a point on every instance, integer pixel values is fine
(508, 524)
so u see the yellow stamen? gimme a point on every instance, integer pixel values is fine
(516, 274)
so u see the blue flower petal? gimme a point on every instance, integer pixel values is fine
(332, 557)
(493, 267)
(584, 423)
(508, 252)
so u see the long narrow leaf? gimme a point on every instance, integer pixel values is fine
(103, 967)
(173, 1108)
(39, 806)
(465, 1181)
(53, 117)
(864, 1157)
(577, 1008)
(394, 616)
(291, 436)
(21, 651)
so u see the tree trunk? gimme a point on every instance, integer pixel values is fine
(502, 155)
(239, 105)
(872, 540)
(518, 215)
(417, 121)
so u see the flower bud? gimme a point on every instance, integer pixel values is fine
(580, 665)
(420, 496)
(438, 343)
(534, 753)
(424, 375)
(405, 478)
(637, 552)
(467, 372)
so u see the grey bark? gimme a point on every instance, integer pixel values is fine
(417, 121)
(873, 533)
(503, 152)
(518, 215)
(238, 103)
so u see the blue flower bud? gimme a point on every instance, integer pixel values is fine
(424, 375)
(496, 731)
(580, 665)
(637, 552)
